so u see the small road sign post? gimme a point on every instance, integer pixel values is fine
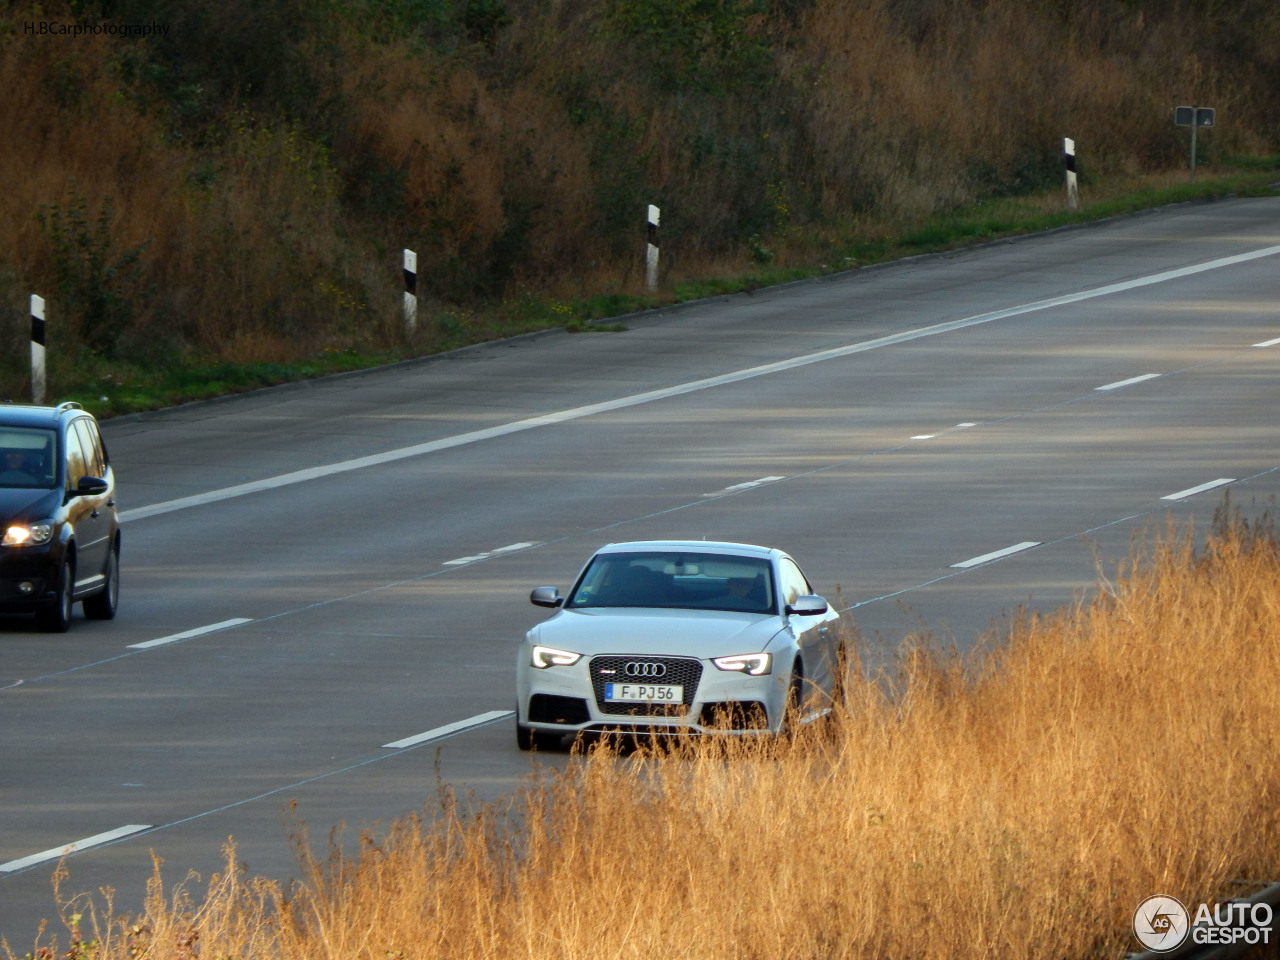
(1195, 118)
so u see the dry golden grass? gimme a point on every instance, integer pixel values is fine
(1016, 803)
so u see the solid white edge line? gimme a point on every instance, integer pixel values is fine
(1192, 491)
(187, 635)
(56, 853)
(997, 554)
(1268, 343)
(737, 376)
(1124, 383)
(449, 729)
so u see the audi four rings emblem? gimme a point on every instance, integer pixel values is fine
(641, 668)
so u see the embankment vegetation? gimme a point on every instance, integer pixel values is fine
(223, 201)
(1017, 802)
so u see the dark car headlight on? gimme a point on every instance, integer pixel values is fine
(752, 664)
(542, 657)
(28, 534)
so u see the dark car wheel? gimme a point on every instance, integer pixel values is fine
(527, 738)
(102, 606)
(56, 618)
(795, 700)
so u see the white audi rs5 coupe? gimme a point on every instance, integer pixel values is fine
(664, 637)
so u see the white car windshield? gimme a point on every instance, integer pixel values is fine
(677, 580)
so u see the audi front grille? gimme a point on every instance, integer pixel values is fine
(635, 668)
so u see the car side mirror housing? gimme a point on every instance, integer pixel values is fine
(546, 597)
(807, 606)
(90, 487)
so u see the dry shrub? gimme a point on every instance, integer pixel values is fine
(1017, 802)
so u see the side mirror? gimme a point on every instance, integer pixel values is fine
(90, 487)
(546, 597)
(807, 606)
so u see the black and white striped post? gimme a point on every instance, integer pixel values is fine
(410, 291)
(1073, 189)
(651, 254)
(37, 349)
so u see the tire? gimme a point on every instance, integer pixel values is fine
(102, 606)
(529, 739)
(524, 737)
(795, 698)
(56, 618)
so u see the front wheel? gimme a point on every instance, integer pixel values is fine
(527, 738)
(795, 700)
(102, 606)
(56, 618)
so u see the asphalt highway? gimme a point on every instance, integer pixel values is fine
(322, 583)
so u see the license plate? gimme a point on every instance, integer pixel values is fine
(643, 693)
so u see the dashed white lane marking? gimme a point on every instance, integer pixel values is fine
(187, 635)
(924, 436)
(996, 554)
(57, 853)
(509, 548)
(1124, 383)
(1192, 491)
(449, 729)
(1268, 343)
(965, 426)
(745, 486)
(737, 376)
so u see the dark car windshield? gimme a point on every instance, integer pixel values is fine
(26, 457)
(686, 581)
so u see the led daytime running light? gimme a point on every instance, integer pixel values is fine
(753, 664)
(543, 657)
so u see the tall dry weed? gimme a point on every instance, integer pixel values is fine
(1016, 802)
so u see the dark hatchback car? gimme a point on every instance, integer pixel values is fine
(59, 533)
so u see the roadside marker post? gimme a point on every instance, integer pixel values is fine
(651, 253)
(37, 350)
(1073, 189)
(410, 291)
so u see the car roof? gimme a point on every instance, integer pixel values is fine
(30, 415)
(691, 546)
(27, 415)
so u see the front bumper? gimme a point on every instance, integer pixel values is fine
(569, 700)
(29, 577)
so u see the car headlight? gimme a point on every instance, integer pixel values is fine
(543, 657)
(754, 664)
(28, 534)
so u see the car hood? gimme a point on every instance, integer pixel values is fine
(27, 504)
(694, 633)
